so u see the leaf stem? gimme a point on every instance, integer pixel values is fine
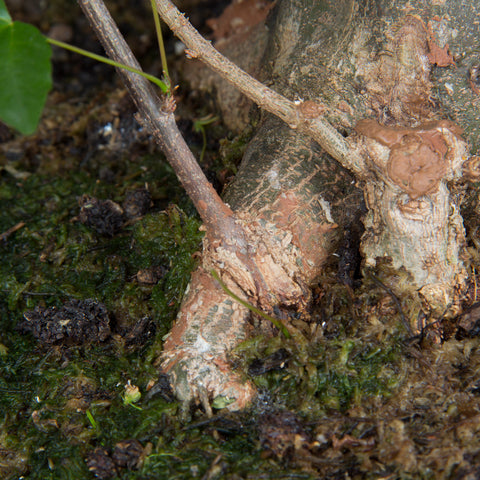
(99, 58)
(161, 46)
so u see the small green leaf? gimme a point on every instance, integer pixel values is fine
(222, 402)
(25, 75)
(5, 18)
(91, 419)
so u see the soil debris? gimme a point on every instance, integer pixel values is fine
(76, 323)
(103, 216)
(150, 276)
(127, 454)
(140, 333)
(137, 203)
(282, 433)
(101, 464)
(107, 217)
(275, 361)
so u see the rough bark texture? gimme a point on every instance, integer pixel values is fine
(376, 61)
(291, 197)
(413, 217)
(352, 60)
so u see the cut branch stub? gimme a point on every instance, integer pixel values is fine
(412, 192)
(419, 157)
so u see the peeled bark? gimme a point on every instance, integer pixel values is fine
(347, 61)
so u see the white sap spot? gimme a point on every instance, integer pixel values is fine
(178, 48)
(326, 209)
(201, 345)
(272, 176)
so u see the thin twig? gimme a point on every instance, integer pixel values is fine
(11, 230)
(158, 117)
(320, 130)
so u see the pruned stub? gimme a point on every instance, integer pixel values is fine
(412, 190)
(421, 157)
(416, 166)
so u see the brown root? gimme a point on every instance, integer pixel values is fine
(209, 325)
(274, 269)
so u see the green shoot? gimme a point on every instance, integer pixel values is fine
(161, 46)
(253, 309)
(163, 86)
(199, 127)
(92, 420)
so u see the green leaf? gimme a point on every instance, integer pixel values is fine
(222, 402)
(5, 18)
(25, 74)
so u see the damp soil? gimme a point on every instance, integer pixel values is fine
(97, 243)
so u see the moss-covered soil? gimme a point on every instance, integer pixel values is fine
(355, 396)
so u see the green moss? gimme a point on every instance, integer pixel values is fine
(355, 372)
(232, 150)
(45, 391)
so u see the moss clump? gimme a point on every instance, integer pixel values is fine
(46, 390)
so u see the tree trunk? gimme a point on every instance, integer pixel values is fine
(408, 70)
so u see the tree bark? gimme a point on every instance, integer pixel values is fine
(396, 65)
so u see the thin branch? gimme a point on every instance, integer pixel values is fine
(11, 230)
(320, 130)
(158, 117)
